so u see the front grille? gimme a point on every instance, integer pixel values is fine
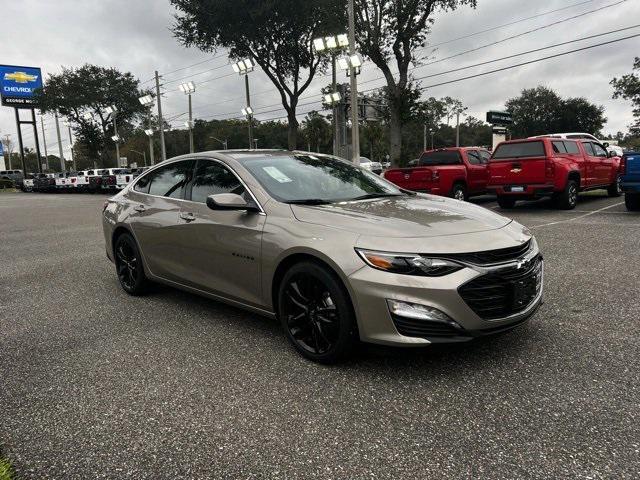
(505, 292)
(410, 327)
(493, 257)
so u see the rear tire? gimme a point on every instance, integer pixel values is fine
(568, 199)
(459, 192)
(615, 189)
(129, 267)
(316, 313)
(632, 202)
(506, 203)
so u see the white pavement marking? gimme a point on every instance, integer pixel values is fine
(578, 217)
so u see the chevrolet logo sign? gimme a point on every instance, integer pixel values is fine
(516, 170)
(20, 77)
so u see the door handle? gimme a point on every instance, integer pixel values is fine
(187, 217)
(140, 208)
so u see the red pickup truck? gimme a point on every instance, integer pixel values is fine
(454, 172)
(542, 167)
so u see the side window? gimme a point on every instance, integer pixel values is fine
(600, 151)
(142, 185)
(572, 148)
(474, 157)
(170, 180)
(485, 156)
(212, 178)
(559, 147)
(589, 148)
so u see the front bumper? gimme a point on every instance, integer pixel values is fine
(372, 288)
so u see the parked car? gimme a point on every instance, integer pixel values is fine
(452, 172)
(115, 178)
(80, 181)
(28, 182)
(617, 150)
(62, 181)
(95, 180)
(334, 251)
(630, 180)
(44, 182)
(550, 167)
(375, 167)
(16, 176)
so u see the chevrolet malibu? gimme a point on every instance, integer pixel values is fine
(333, 251)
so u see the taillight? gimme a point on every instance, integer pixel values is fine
(126, 179)
(550, 169)
(435, 176)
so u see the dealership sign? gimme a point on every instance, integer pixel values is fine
(17, 85)
(499, 118)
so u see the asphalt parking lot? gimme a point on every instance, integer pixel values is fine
(96, 384)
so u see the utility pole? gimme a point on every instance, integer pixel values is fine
(8, 148)
(336, 106)
(152, 159)
(432, 134)
(62, 166)
(160, 119)
(250, 115)
(191, 147)
(44, 141)
(458, 128)
(424, 138)
(117, 137)
(355, 127)
(73, 157)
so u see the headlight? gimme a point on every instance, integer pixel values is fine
(409, 264)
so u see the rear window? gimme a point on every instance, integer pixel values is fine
(444, 157)
(519, 150)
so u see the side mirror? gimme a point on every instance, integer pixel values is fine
(229, 201)
(612, 154)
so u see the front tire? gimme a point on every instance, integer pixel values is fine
(615, 189)
(129, 266)
(632, 202)
(316, 313)
(506, 202)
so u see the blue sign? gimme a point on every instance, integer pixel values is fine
(17, 85)
(1, 150)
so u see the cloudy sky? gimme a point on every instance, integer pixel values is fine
(135, 36)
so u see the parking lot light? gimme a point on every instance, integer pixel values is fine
(188, 88)
(248, 111)
(319, 45)
(146, 100)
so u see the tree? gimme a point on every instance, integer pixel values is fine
(88, 91)
(8, 149)
(393, 31)
(540, 110)
(628, 87)
(317, 132)
(276, 34)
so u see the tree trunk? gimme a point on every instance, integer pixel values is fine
(395, 134)
(293, 131)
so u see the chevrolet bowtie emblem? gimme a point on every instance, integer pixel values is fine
(516, 170)
(20, 77)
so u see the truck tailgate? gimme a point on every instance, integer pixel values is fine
(517, 171)
(418, 178)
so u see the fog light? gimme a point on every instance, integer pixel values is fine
(418, 312)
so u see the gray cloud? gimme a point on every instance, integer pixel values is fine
(135, 36)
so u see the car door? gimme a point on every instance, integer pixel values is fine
(222, 248)
(592, 164)
(156, 200)
(476, 172)
(605, 164)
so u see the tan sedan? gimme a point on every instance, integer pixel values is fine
(334, 251)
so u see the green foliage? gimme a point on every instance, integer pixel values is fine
(6, 471)
(317, 133)
(628, 87)
(6, 183)
(90, 89)
(540, 110)
(276, 34)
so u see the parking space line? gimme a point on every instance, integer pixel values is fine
(578, 217)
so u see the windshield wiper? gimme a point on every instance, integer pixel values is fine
(308, 201)
(377, 195)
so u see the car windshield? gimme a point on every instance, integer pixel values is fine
(315, 179)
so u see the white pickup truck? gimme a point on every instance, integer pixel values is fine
(116, 178)
(79, 181)
(28, 183)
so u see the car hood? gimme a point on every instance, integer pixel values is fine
(420, 216)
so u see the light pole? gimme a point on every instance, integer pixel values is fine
(113, 111)
(44, 141)
(189, 88)
(147, 101)
(73, 157)
(354, 69)
(163, 148)
(62, 166)
(224, 142)
(432, 134)
(243, 67)
(333, 44)
(143, 154)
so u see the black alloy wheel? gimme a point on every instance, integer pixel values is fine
(129, 265)
(316, 313)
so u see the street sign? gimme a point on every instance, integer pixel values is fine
(17, 85)
(123, 161)
(1, 149)
(499, 118)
